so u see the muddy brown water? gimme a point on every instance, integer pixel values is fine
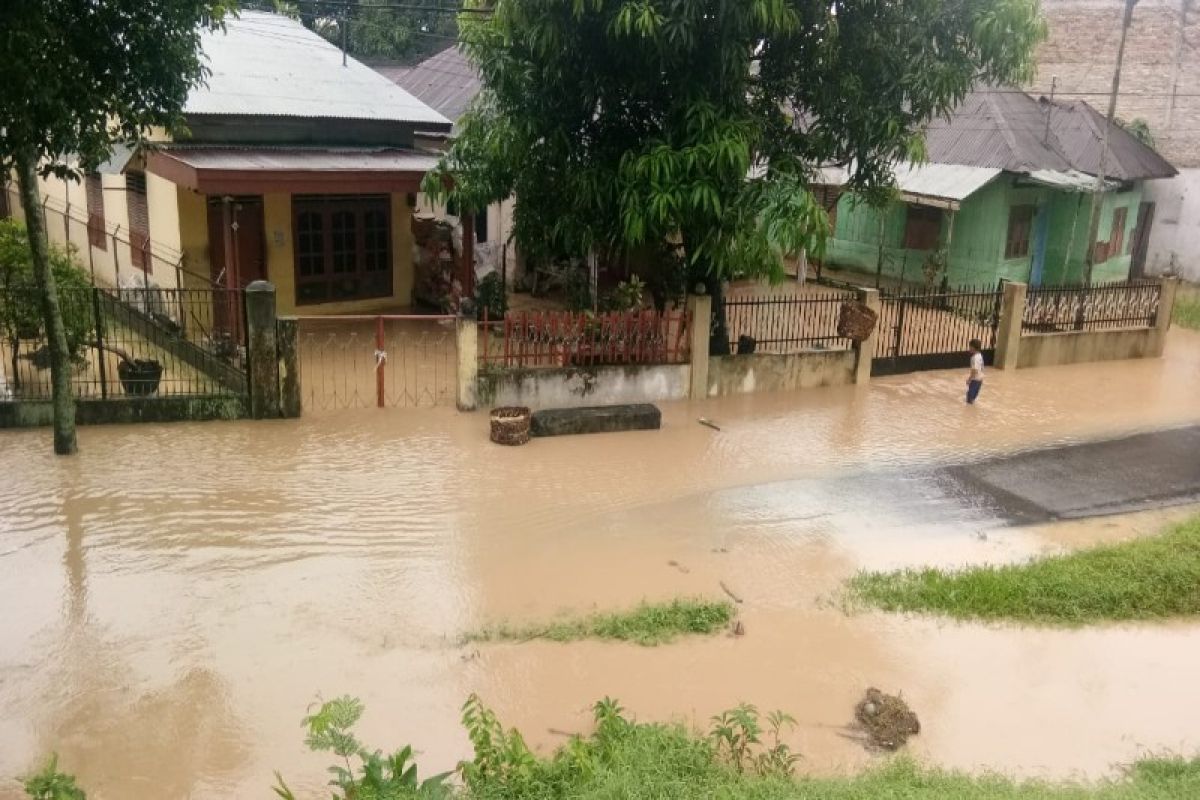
(176, 595)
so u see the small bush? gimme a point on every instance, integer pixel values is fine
(648, 624)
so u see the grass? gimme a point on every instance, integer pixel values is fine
(1187, 313)
(648, 624)
(1156, 577)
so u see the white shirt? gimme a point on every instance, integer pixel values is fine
(977, 366)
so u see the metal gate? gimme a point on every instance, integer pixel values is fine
(932, 330)
(385, 361)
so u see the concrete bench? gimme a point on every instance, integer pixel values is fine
(596, 419)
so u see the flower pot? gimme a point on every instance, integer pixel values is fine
(140, 377)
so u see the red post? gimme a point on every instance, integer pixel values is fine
(380, 364)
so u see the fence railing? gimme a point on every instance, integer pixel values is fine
(564, 339)
(127, 343)
(1110, 306)
(112, 254)
(786, 323)
(935, 323)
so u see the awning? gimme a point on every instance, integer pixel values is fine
(257, 170)
(937, 185)
(1070, 181)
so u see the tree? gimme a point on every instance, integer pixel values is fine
(375, 30)
(700, 122)
(21, 314)
(79, 76)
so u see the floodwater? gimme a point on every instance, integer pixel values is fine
(176, 595)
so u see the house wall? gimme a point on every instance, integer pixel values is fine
(1175, 237)
(980, 234)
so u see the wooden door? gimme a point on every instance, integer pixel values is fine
(236, 241)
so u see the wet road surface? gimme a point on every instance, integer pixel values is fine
(1128, 474)
(175, 596)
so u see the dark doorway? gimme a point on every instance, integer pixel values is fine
(236, 241)
(1141, 240)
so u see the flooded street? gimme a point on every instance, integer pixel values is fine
(176, 595)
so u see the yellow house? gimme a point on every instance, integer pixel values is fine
(298, 167)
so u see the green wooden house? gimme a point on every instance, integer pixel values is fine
(1006, 194)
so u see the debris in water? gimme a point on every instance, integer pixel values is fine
(708, 423)
(738, 628)
(729, 592)
(887, 719)
(678, 566)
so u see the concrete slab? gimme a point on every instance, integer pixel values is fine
(596, 419)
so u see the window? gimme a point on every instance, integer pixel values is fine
(481, 229)
(139, 221)
(1020, 227)
(1116, 235)
(94, 190)
(922, 227)
(343, 248)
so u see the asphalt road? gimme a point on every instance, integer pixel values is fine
(1130, 474)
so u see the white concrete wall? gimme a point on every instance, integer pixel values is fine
(1175, 236)
(575, 387)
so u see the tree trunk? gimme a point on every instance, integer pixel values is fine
(60, 361)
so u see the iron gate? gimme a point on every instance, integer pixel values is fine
(932, 330)
(383, 361)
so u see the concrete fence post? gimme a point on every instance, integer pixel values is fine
(1166, 308)
(1008, 330)
(866, 348)
(467, 339)
(262, 350)
(699, 309)
(288, 335)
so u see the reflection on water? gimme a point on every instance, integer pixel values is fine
(176, 595)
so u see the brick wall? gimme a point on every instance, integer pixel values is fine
(1160, 80)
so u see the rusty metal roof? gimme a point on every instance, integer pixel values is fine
(270, 65)
(447, 81)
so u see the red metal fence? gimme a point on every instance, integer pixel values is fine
(565, 338)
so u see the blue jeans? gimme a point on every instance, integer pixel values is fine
(973, 388)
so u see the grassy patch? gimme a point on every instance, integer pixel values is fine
(648, 624)
(1143, 579)
(1187, 313)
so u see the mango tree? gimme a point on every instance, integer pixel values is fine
(622, 124)
(78, 77)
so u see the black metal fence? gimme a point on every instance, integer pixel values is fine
(933, 329)
(1109, 306)
(127, 343)
(786, 323)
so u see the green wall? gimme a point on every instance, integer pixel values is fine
(980, 232)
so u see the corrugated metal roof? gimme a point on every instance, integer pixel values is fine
(1080, 128)
(1007, 128)
(944, 185)
(447, 81)
(270, 159)
(269, 65)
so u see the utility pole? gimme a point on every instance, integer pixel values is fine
(345, 26)
(1050, 109)
(1094, 224)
